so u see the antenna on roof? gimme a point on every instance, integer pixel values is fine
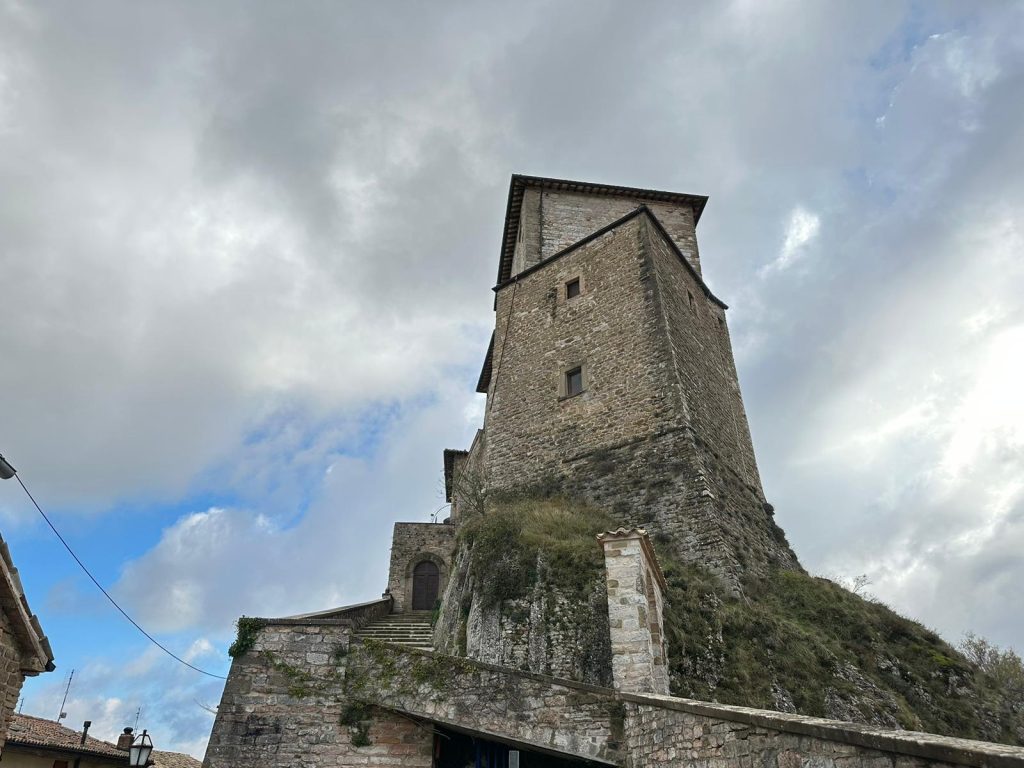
(62, 714)
(138, 714)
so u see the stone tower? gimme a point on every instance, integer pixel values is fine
(610, 375)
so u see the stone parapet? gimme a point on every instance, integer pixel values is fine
(663, 731)
(527, 710)
(307, 695)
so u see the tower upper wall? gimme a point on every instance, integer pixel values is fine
(546, 216)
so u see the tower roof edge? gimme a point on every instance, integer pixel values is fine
(520, 182)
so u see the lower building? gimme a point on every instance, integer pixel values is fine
(24, 649)
(37, 743)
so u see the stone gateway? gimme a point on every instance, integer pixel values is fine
(607, 524)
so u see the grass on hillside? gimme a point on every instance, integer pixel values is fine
(806, 635)
(815, 639)
(510, 539)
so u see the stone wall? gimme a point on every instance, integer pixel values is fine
(284, 704)
(305, 695)
(552, 220)
(11, 676)
(411, 544)
(607, 329)
(468, 481)
(635, 587)
(700, 350)
(24, 649)
(659, 436)
(525, 709)
(663, 731)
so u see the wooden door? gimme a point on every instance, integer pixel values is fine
(425, 584)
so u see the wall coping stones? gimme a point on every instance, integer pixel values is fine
(930, 746)
(342, 616)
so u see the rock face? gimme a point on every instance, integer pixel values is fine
(548, 630)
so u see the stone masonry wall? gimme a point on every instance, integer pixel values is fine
(635, 612)
(411, 544)
(551, 220)
(11, 676)
(304, 695)
(702, 362)
(663, 732)
(607, 329)
(284, 705)
(659, 436)
(520, 707)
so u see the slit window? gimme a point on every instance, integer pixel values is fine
(572, 288)
(573, 382)
(693, 304)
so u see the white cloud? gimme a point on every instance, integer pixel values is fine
(802, 228)
(254, 266)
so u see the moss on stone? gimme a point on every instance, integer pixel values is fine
(357, 716)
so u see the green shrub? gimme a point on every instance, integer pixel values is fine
(248, 630)
(514, 536)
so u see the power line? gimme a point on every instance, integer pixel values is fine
(106, 594)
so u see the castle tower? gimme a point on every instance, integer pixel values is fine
(611, 374)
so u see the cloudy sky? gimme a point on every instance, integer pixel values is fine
(246, 253)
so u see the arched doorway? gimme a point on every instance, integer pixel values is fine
(425, 584)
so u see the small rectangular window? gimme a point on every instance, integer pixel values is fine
(572, 288)
(573, 382)
(693, 304)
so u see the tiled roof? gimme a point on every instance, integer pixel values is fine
(28, 731)
(36, 732)
(174, 760)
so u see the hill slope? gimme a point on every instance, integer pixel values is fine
(789, 642)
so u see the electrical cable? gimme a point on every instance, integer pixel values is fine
(105, 593)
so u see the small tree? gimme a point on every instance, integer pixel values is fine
(1003, 667)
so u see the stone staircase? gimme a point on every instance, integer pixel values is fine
(412, 629)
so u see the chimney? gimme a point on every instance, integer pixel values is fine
(124, 741)
(85, 729)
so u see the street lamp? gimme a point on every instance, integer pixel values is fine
(6, 470)
(142, 747)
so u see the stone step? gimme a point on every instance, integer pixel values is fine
(400, 630)
(408, 629)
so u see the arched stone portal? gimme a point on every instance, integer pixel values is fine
(426, 585)
(412, 545)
